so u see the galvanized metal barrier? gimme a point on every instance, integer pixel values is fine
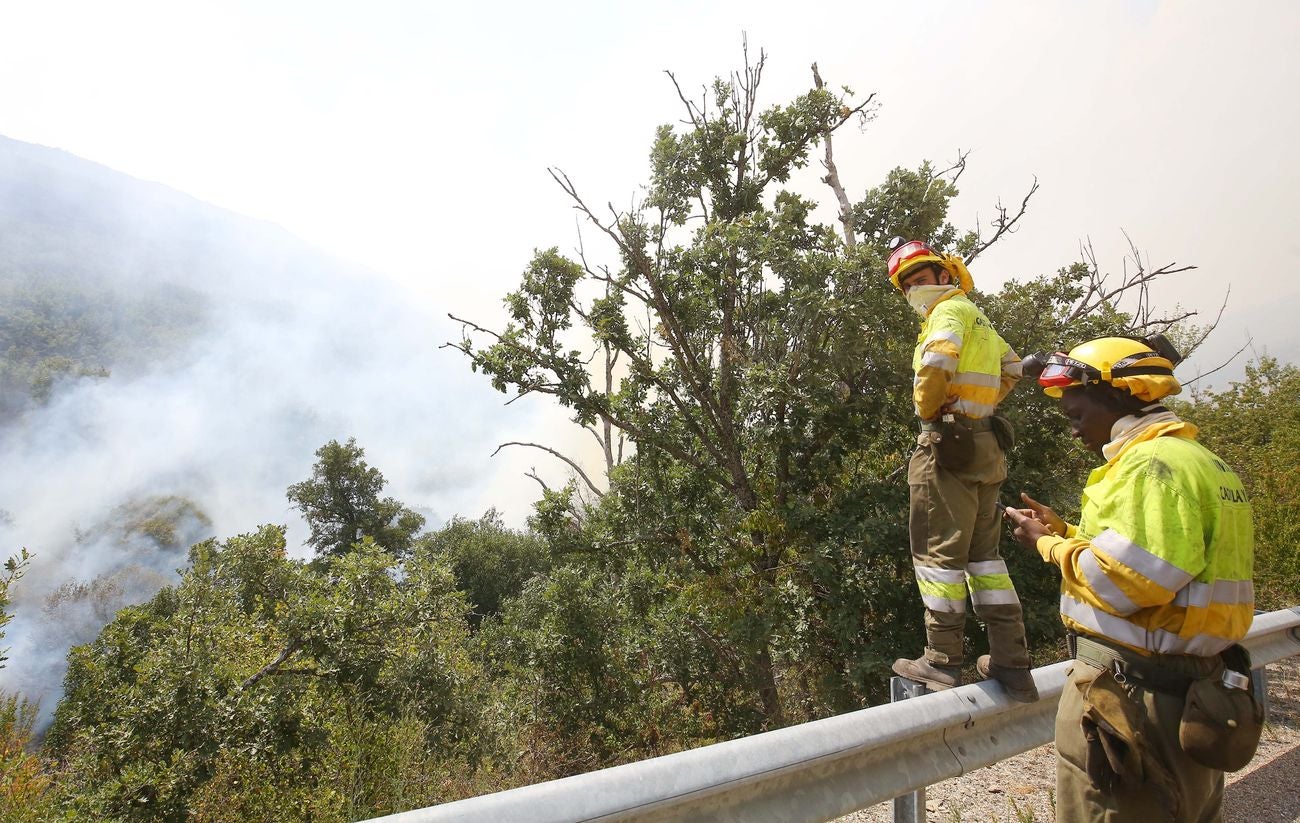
(816, 771)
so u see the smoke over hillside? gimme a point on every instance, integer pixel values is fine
(168, 369)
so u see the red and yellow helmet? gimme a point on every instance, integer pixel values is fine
(913, 253)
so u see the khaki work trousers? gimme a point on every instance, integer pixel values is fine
(954, 522)
(1174, 788)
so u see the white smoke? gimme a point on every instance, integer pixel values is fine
(296, 349)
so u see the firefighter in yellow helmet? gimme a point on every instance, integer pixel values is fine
(963, 369)
(1155, 592)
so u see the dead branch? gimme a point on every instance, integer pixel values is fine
(1200, 338)
(532, 472)
(691, 109)
(549, 450)
(274, 665)
(956, 169)
(1096, 293)
(1249, 342)
(832, 179)
(1003, 223)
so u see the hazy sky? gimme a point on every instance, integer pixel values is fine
(414, 137)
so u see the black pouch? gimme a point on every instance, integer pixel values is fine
(954, 444)
(1222, 720)
(1004, 432)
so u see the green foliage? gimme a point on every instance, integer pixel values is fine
(24, 777)
(908, 204)
(166, 521)
(256, 664)
(491, 563)
(14, 568)
(760, 319)
(57, 327)
(342, 506)
(1254, 426)
(147, 537)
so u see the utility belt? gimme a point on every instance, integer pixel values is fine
(975, 424)
(953, 437)
(1166, 673)
(1221, 719)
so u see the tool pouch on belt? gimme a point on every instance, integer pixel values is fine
(1112, 723)
(1004, 432)
(954, 443)
(1222, 720)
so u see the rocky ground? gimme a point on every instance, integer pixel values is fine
(1020, 789)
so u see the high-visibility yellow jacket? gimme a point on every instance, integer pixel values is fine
(960, 361)
(1163, 555)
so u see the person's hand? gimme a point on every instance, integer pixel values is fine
(1028, 528)
(1049, 518)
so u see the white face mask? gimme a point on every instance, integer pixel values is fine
(923, 298)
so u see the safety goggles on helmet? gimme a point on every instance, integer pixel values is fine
(908, 251)
(1061, 371)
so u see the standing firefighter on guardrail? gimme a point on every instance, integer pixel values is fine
(963, 370)
(1156, 591)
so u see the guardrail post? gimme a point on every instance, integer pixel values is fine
(1259, 678)
(908, 808)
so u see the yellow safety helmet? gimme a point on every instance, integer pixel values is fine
(913, 253)
(1143, 368)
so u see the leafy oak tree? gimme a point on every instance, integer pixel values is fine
(759, 363)
(341, 504)
(491, 562)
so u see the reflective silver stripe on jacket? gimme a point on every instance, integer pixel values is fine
(939, 360)
(1225, 592)
(1153, 568)
(1012, 365)
(1154, 640)
(971, 408)
(949, 336)
(974, 378)
(1103, 586)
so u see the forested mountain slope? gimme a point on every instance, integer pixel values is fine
(167, 369)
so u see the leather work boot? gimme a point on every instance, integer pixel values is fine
(1018, 683)
(922, 670)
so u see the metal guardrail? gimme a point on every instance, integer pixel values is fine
(820, 770)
